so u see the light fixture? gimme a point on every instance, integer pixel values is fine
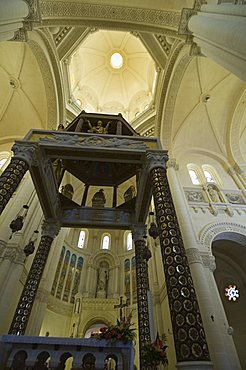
(30, 247)
(116, 60)
(232, 292)
(17, 223)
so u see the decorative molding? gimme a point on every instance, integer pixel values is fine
(156, 159)
(50, 228)
(193, 256)
(196, 196)
(26, 153)
(138, 232)
(209, 233)
(162, 40)
(59, 37)
(93, 141)
(108, 13)
(208, 261)
(172, 163)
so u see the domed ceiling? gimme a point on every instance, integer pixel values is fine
(111, 72)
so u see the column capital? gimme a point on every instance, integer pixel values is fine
(208, 261)
(193, 256)
(50, 228)
(138, 232)
(172, 163)
(26, 153)
(156, 159)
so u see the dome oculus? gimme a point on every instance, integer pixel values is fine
(116, 60)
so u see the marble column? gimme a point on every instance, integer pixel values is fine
(10, 179)
(189, 336)
(142, 254)
(208, 301)
(49, 231)
(12, 17)
(40, 304)
(219, 30)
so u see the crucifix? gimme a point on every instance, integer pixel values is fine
(121, 305)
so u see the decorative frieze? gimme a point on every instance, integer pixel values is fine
(88, 11)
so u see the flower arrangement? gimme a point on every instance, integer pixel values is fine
(155, 353)
(121, 331)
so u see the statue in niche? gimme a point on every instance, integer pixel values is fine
(214, 194)
(102, 283)
(99, 128)
(99, 199)
(67, 191)
(61, 127)
(129, 193)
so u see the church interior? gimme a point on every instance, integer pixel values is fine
(112, 114)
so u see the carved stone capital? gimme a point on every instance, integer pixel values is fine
(156, 159)
(172, 163)
(50, 228)
(208, 261)
(26, 153)
(10, 253)
(193, 256)
(20, 257)
(138, 232)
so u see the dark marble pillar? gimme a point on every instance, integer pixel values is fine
(189, 336)
(10, 179)
(142, 254)
(26, 301)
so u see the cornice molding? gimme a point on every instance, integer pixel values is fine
(75, 13)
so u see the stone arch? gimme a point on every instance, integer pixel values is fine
(174, 73)
(92, 319)
(233, 134)
(104, 255)
(49, 69)
(19, 360)
(222, 230)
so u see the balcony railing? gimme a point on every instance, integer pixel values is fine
(40, 353)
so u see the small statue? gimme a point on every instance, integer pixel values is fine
(99, 199)
(67, 191)
(61, 127)
(213, 193)
(99, 128)
(129, 193)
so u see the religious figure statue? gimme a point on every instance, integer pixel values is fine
(99, 199)
(102, 283)
(129, 193)
(213, 193)
(61, 127)
(67, 191)
(99, 128)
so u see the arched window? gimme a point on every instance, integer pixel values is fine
(211, 175)
(105, 242)
(81, 241)
(208, 176)
(129, 242)
(194, 177)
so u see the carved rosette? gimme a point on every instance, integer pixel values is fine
(24, 307)
(189, 336)
(10, 179)
(142, 254)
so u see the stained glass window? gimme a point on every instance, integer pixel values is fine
(63, 274)
(232, 292)
(77, 276)
(58, 269)
(69, 280)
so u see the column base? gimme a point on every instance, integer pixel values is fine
(194, 365)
